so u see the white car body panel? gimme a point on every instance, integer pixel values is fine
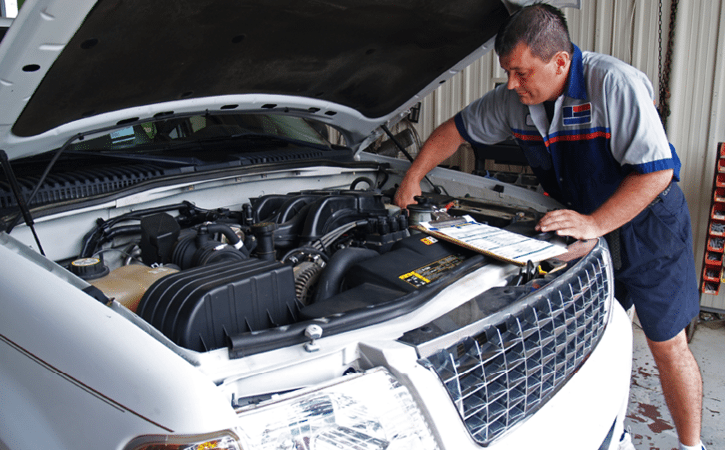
(135, 380)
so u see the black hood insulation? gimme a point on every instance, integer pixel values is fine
(370, 55)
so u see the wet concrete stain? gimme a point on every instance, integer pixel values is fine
(646, 411)
(652, 412)
(644, 374)
(642, 371)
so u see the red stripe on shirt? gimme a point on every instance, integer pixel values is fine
(528, 137)
(580, 137)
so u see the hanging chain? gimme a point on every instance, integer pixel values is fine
(666, 68)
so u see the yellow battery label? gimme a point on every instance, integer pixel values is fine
(430, 240)
(415, 279)
(424, 275)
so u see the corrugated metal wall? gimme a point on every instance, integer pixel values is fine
(629, 30)
(697, 122)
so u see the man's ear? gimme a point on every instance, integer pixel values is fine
(562, 60)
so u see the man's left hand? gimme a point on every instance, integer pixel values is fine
(566, 222)
(632, 196)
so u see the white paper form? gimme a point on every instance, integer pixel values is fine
(493, 241)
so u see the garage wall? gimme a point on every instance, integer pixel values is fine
(625, 29)
(628, 30)
(697, 122)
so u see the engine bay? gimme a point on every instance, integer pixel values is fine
(208, 278)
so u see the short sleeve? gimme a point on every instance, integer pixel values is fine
(638, 139)
(485, 121)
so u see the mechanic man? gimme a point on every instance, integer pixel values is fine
(590, 131)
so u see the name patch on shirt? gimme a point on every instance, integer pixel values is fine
(579, 114)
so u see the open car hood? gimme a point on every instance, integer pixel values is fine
(72, 67)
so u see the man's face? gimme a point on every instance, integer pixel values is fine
(534, 80)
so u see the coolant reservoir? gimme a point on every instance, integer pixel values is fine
(128, 284)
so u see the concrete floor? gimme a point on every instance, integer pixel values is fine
(648, 419)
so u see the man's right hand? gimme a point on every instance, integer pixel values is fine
(442, 143)
(405, 194)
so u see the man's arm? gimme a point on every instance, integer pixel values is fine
(442, 143)
(632, 196)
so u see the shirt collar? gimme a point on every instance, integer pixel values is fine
(577, 87)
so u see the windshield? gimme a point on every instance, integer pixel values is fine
(105, 162)
(207, 128)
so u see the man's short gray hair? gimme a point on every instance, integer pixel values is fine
(540, 26)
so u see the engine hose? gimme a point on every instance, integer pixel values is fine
(331, 279)
(100, 238)
(120, 231)
(305, 280)
(225, 230)
(304, 250)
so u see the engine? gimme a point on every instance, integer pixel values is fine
(203, 276)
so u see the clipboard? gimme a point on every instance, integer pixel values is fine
(491, 241)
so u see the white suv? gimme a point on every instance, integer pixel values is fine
(187, 261)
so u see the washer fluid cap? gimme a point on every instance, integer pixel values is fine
(89, 268)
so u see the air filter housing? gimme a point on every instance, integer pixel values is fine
(198, 308)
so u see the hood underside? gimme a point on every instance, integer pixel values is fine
(370, 56)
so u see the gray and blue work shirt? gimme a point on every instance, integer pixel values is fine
(604, 127)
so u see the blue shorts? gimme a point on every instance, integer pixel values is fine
(657, 272)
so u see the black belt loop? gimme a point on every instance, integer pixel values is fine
(615, 248)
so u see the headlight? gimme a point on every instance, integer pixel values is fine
(224, 440)
(370, 411)
(367, 411)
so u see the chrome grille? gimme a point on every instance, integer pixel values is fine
(509, 368)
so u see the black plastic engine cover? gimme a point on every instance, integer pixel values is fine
(308, 215)
(413, 263)
(199, 308)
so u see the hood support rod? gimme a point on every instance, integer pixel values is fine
(397, 143)
(15, 186)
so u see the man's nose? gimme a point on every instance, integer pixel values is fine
(512, 83)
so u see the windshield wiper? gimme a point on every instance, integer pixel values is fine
(263, 137)
(158, 151)
(144, 157)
